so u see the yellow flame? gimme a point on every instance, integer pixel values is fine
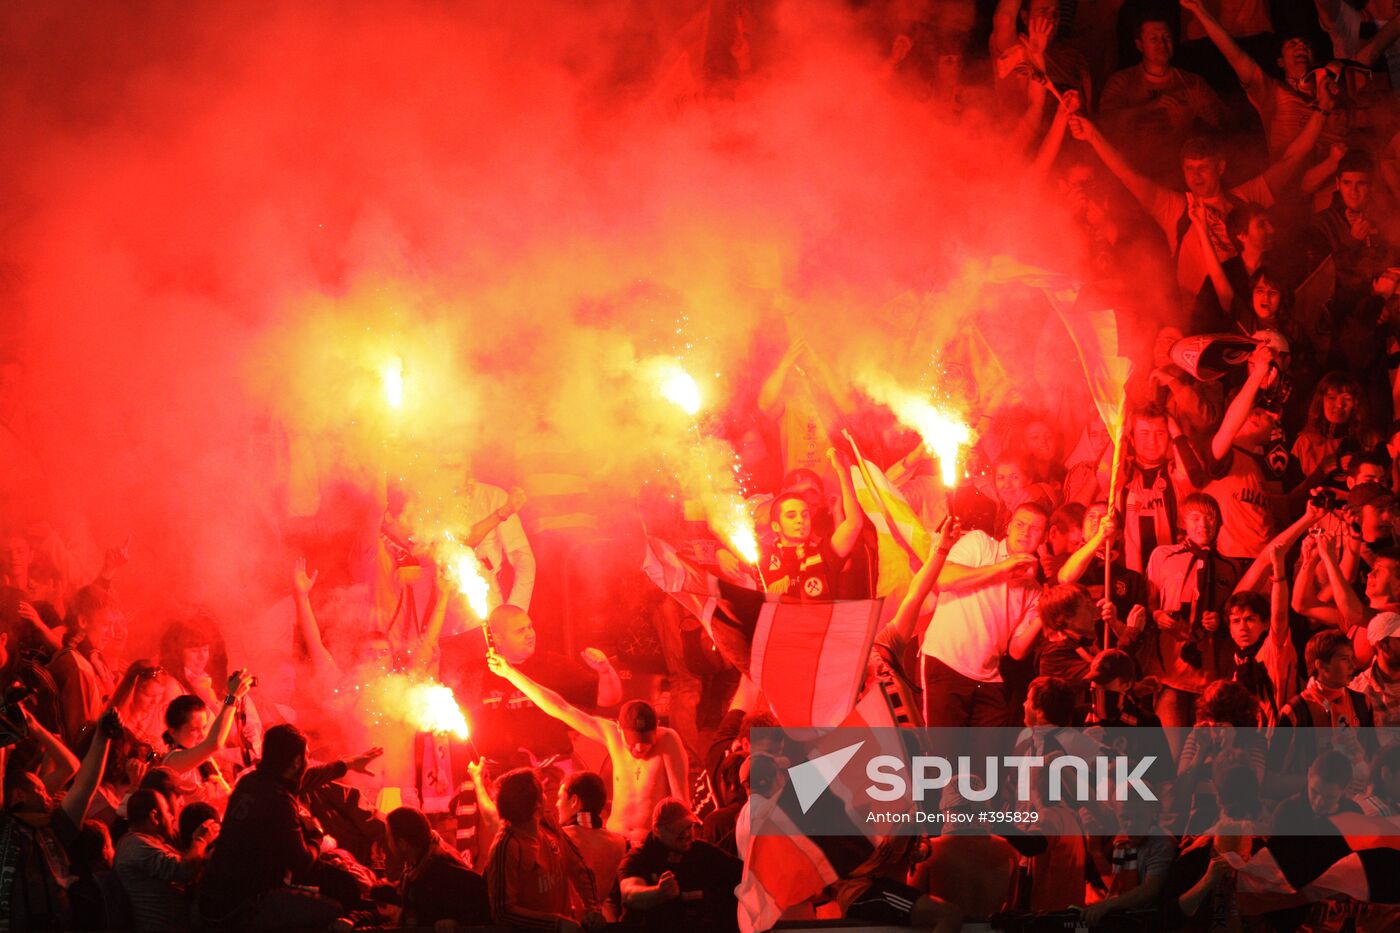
(426, 705)
(679, 388)
(392, 375)
(735, 527)
(465, 573)
(942, 431)
(943, 434)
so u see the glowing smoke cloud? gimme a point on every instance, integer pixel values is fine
(426, 705)
(942, 432)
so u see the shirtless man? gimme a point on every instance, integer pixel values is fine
(648, 761)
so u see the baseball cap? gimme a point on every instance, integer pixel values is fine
(1109, 665)
(1364, 494)
(671, 810)
(636, 716)
(1384, 625)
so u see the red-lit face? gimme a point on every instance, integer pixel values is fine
(1245, 626)
(1203, 176)
(794, 524)
(1295, 58)
(1355, 188)
(1011, 481)
(516, 640)
(1339, 404)
(1025, 532)
(1201, 526)
(1259, 235)
(100, 629)
(15, 557)
(1267, 300)
(1324, 798)
(1336, 672)
(197, 659)
(639, 744)
(194, 730)
(149, 691)
(1151, 441)
(1383, 583)
(1367, 473)
(1040, 441)
(1155, 44)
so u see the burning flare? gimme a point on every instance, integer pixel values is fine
(465, 573)
(943, 432)
(676, 385)
(392, 375)
(426, 705)
(734, 525)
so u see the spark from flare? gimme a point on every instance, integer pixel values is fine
(426, 705)
(734, 525)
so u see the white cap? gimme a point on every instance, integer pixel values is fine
(1385, 625)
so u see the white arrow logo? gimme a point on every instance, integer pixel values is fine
(811, 778)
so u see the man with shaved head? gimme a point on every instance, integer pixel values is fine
(507, 727)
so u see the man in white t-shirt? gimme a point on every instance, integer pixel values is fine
(988, 607)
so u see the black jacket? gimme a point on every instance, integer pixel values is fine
(262, 842)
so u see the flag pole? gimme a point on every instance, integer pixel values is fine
(1114, 490)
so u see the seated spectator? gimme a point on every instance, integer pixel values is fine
(1228, 724)
(436, 884)
(968, 872)
(95, 893)
(533, 868)
(1306, 813)
(582, 799)
(1141, 855)
(158, 878)
(673, 881)
(263, 840)
(199, 819)
(648, 760)
(1382, 797)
